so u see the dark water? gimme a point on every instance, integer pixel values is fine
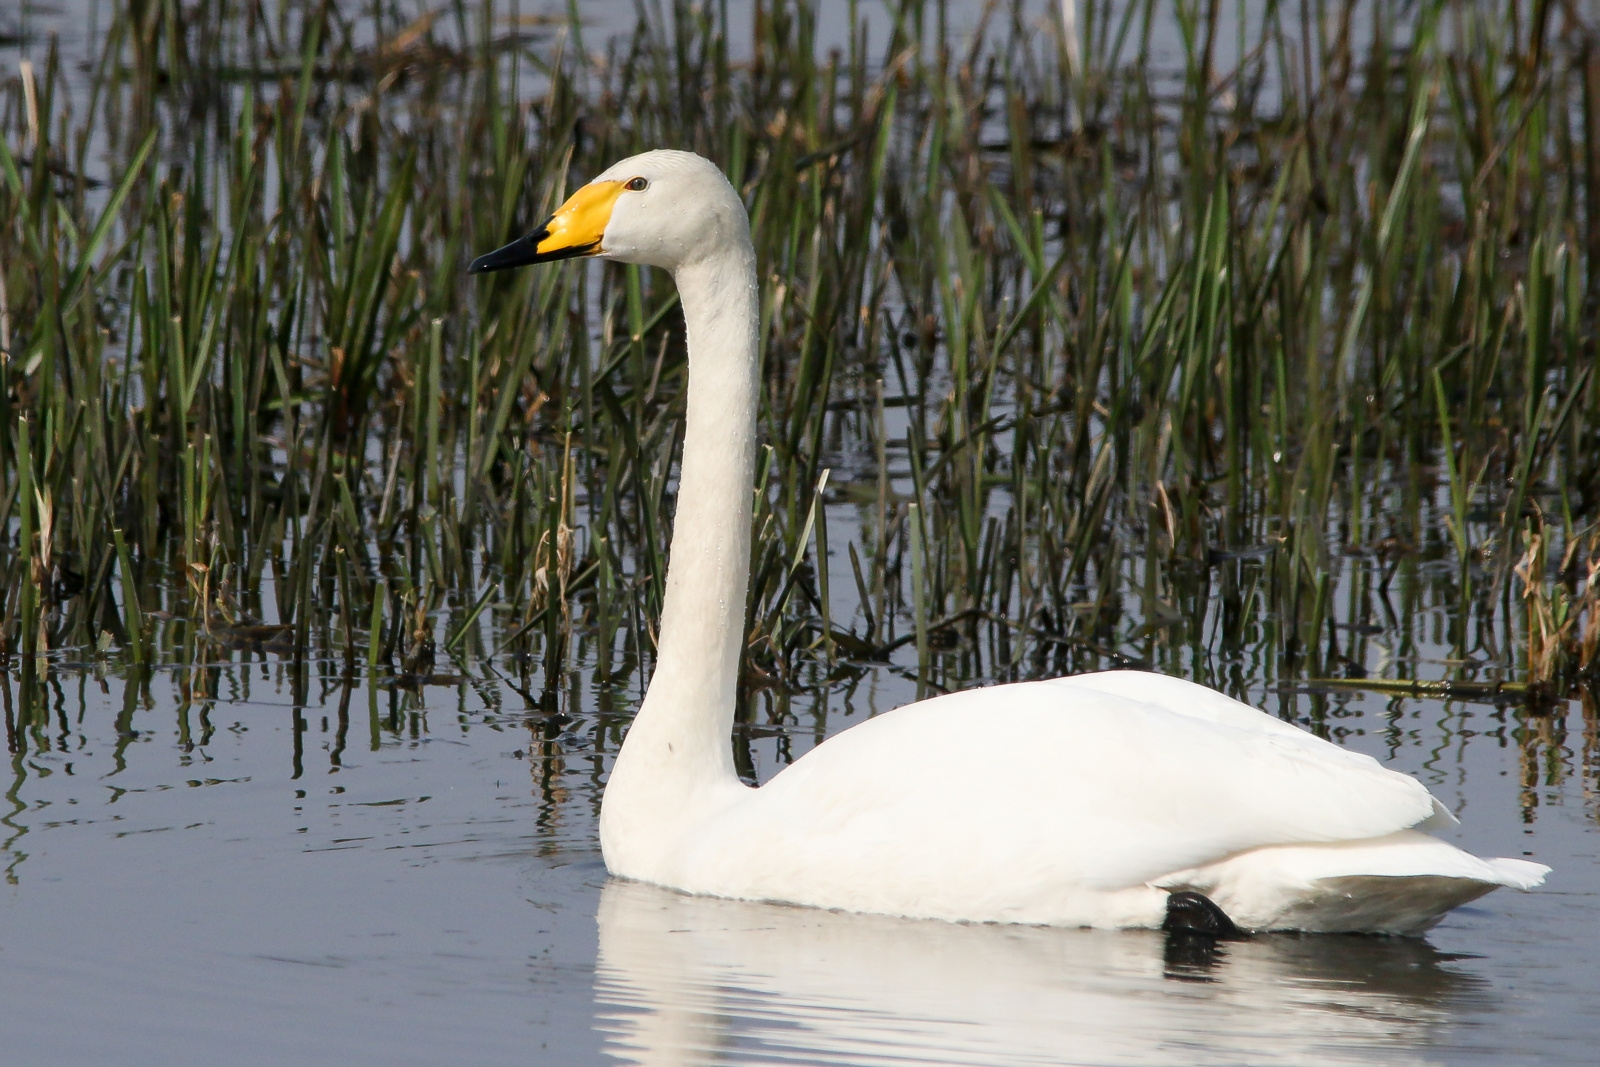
(440, 898)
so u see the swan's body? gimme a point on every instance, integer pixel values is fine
(1077, 801)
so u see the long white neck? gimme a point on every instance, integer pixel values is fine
(677, 761)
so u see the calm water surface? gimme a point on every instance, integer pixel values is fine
(276, 894)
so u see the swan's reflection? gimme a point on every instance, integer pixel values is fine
(693, 980)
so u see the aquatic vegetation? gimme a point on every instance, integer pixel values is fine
(1236, 367)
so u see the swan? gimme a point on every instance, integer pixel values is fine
(1118, 799)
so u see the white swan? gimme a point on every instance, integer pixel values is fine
(1078, 801)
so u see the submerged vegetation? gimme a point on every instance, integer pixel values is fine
(1240, 360)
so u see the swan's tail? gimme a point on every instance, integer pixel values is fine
(1517, 874)
(1400, 884)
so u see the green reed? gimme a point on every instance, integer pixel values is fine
(1218, 369)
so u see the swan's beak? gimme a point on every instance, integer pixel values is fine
(574, 230)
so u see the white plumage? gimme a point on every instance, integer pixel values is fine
(1074, 801)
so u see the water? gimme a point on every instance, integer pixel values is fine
(286, 892)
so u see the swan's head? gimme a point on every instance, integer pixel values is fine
(664, 208)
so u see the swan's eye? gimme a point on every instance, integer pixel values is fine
(637, 185)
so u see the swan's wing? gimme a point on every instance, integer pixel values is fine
(1200, 702)
(1049, 784)
(1183, 697)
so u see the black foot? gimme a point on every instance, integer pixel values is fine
(1195, 913)
(1192, 957)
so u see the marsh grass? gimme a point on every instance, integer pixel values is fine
(1237, 371)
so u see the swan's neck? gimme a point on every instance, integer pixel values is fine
(678, 753)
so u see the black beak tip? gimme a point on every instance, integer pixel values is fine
(518, 253)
